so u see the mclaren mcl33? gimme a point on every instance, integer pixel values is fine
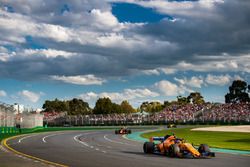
(172, 146)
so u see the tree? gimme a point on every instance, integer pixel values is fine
(195, 98)
(116, 108)
(144, 105)
(72, 107)
(182, 100)
(55, 105)
(156, 106)
(166, 104)
(103, 106)
(238, 92)
(126, 107)
(152, 106)
(78, 107)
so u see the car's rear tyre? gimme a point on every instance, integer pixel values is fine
(174, 151)
(129, 131)
(148, 147)
(204, 148)
(116, 131)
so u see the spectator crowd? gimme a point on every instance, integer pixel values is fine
(206, 112)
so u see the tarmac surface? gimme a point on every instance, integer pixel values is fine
(103, 148)
(9, 159)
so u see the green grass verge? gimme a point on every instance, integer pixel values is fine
(227, 140)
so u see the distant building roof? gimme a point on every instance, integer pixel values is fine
(141, 113)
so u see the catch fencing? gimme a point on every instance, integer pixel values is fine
(11, 121)
(7, 118)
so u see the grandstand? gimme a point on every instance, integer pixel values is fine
(188, 113)
(227, 113)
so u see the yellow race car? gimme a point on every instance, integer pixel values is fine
(172, 146)
(172, 126)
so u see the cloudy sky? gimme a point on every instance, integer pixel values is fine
(123, 49)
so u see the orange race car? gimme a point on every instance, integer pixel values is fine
(172, 146)
(123, 131)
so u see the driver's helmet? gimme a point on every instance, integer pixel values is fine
(177, 141)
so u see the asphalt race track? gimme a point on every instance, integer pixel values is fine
(103, 148)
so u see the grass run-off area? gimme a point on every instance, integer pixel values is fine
(227, 140)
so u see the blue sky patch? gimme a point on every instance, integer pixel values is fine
(10, 9)
(126, 12)
(65, 8)
(32, 44)
(10, 48)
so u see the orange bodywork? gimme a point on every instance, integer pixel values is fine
(190, 148)
(165, 145)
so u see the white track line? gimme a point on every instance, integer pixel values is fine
(20, 140)
(86, 144)
(113, 141)
(44, 138)
(118, 142)
(79, 141)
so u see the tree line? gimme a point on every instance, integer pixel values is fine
(238, 92)
(106, 106)
(80, 107)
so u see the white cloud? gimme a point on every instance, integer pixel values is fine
(49, 53)
(218, 79)
(89, 96)
(80, 79)
(238, 77)
(222, 63)
(18, 26)
(151, 72)
(97, 29)
(170, 89)
(105, 18)
(105, 47)
(4, 55)
(183, 8)
(168, 70)
(34, 53)
(127, 94)
(140, 93)
(134, 43)
(158, 71)
(192, 82)
(195, 82)
(30, 96)
(3, 93)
